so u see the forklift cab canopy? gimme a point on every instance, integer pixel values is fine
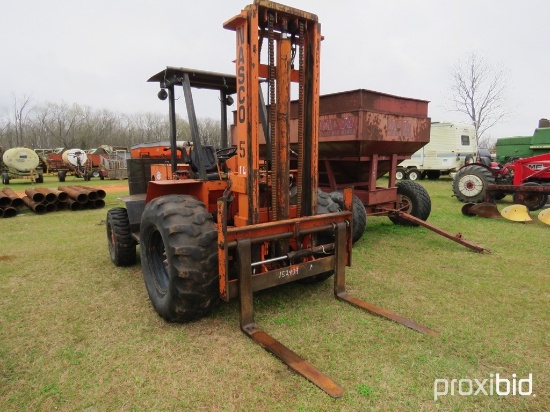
(199, 79)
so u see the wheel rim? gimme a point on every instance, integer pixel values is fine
(159, 263)
(470, 185)
(413, 176)
(406, 204)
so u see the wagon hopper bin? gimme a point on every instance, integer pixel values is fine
(225, 224)
(364, 135)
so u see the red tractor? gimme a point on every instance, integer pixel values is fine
(528, 180)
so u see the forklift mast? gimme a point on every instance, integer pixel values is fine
(284, 30)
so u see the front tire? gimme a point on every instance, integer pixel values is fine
(470, 183)
(122, 246)
(179, 257)
(415, 201)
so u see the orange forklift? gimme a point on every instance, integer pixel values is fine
(229, 222)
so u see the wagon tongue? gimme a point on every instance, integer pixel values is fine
(484, 209)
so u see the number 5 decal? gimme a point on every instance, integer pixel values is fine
(242, 150)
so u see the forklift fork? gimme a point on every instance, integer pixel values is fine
(290, 358)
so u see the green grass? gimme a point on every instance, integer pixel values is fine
(78, 333)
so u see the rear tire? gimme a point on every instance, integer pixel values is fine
(122, 246)
(400, 173)
(414, 174)
(415, 201)
(179, 257)
(433, 174)
(359, 214)
(470, 183)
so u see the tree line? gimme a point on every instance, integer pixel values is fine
(50, 125)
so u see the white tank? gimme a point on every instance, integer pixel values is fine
(74, 157)
(21, 159)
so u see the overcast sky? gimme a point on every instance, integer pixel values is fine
(100, 53)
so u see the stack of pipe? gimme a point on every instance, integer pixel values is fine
(86, 197)
(9, 203)
(41, 200)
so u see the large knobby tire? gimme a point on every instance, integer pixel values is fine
(325, 204)
(359, 214)
(122, 246)
(179, 257)
(415, 201)
(533, 200)
(470, 183)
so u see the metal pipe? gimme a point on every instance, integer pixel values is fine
(74, 205)
(9, 212)
(16, 201)
(5, 201)
(100, 192)
(49, 196)
(61, 196)
(61, 206)
(35, 196)
(92, 194)
(37, 208)
(74, 194)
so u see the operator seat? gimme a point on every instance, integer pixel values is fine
(211, 160)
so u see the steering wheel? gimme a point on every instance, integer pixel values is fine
(226, 153)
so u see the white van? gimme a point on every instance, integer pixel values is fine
(451, 144)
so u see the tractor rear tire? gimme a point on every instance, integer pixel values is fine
(359, 214)
(415, 201)
(533, 200)
(470, 183)
(179, 257)
(122, 246)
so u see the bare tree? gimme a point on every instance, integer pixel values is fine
(478, 90)
(20, 113)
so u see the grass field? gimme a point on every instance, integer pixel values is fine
(79, 334)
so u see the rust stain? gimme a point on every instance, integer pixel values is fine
(6, 257)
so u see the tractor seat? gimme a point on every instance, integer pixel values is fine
(211, 164)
